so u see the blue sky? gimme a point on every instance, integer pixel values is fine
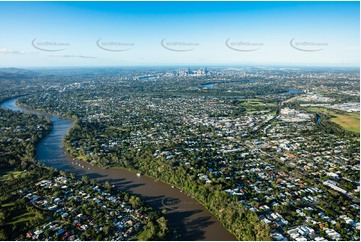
(37, 34)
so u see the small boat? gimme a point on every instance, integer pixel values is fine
(172, 186)
(138, 174)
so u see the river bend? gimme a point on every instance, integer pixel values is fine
(190, 218)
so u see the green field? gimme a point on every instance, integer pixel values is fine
(348, 121)
(7, 205)
(19, 216)
(256, 105)
(9, 174)
(24, 217)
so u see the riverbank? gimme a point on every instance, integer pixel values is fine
(40, 203)
(190, 218)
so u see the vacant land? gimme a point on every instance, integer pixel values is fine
(348, 121)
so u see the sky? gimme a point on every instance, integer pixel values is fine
(63, 34)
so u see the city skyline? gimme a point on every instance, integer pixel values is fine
(92, 34)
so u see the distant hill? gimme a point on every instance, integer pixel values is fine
(12, 72)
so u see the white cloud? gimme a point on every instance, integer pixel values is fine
(11, 51)
(73, 56)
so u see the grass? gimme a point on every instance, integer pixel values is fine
(7, 205)
(254, 105)
(348, 121)
(16, 174)
(117, 128)
(257, 103)
(19, 216)
(4, 173)
(22, 218)
(144, 235)
(82, 157)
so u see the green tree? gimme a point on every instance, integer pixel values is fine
(85, 179)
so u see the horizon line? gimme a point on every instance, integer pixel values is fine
(190, 65)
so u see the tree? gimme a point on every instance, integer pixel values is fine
(135, 201)
(85, 179)
(149, 232)
(108, 186)
(162, 222)
(3, 235)
(72, 176)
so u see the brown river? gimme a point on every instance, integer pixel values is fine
(190, 218)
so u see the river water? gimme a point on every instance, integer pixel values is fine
(185, 214)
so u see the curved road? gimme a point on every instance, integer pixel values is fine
(191, 219)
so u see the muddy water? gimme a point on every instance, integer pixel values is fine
(190, 218)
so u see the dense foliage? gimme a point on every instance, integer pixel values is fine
(20, 175)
